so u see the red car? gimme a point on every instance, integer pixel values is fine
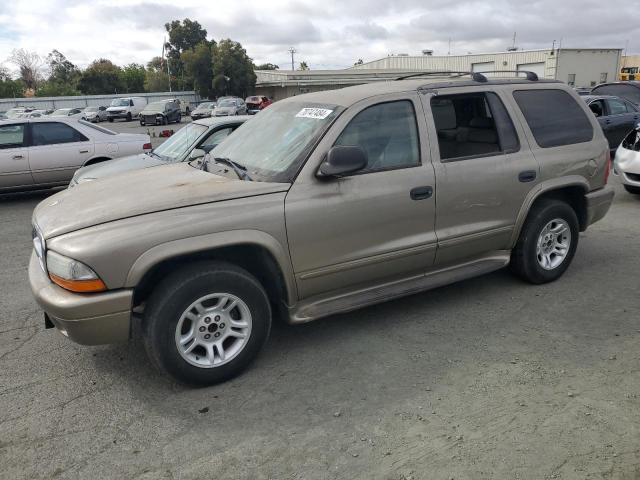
(257, 103)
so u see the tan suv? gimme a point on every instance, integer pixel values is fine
(322, 204)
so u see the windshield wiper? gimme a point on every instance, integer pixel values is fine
(240, 170)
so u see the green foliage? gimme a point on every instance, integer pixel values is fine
(359, 62)
(63, 79)
(156, 81)
(198, 67)
(56, 89)
(133, 77)
(232, 69)
(10, 88)
(267, 66)
(184, 36)
(101, 77)
(303, 66)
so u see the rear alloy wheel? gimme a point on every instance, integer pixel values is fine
(547, 242)
(206, 323)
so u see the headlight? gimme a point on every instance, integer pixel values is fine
(73, 275)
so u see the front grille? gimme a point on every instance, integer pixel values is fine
(634, 177)
(150, 119)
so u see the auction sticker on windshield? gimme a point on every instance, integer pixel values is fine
(317, 113)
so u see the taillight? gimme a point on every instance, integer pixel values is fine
(607, 168)
(147, 146)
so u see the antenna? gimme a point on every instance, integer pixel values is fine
(513, 47)
(292, 51)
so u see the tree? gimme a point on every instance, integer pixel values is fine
(267, 66)
(30, 66)
(359, 62)
(183, 36)
(198, 66)
(303, 66)
(133, 77)
(156, 81)
(101, 76)
(9, 88)
(232, 69)
(63, 77)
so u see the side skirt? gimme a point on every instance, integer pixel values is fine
(318, 307)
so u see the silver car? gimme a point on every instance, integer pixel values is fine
(230, 106)
(67, 112)
(95, 114)
(627, 163)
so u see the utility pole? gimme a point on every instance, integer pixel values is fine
(292, 51)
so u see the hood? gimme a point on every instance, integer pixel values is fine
(117, 165)
(116, 109)
(225, 109)
(140, 192)
(151, 111)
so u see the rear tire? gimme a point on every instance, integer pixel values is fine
(547, 242)
(110, 120)
(174, 332)
(632, 189)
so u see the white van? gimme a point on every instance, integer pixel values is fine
(127, 108)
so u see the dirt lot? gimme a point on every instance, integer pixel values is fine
(489, 378)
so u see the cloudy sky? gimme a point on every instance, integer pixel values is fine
(327, 33)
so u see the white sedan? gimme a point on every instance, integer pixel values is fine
(627, 162)
(45, 152)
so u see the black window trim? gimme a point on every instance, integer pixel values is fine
(479, 155)
(30, 134)
(388, 169)
(618, 99)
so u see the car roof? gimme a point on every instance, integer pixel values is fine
(215, 121)
(631, 83)
(349, 95)
(590, 98)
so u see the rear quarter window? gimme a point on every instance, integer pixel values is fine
(554, 117)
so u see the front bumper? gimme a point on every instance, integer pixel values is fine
(598, 203)
(88, 319)
(627, 166)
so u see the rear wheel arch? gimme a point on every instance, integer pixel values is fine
(93, 161)
(572, 194)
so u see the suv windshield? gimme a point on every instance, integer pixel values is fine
(206, 106)
(179, 143)
(120, 102)
(274, 144)
(156, 107)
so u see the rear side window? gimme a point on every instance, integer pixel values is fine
(554, 117)
(388, 132)
(11, 136)
(616, 107)
(472, 125)
(52, 133)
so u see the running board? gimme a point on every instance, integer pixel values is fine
(318, 307)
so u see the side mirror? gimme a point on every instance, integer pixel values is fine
(197, 153)
(207, 148)
(343, 159)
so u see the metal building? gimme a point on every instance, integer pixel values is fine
(583, 67)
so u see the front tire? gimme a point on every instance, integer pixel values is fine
(547, 242)
(129, 117)
(632, 189)
(206, 323)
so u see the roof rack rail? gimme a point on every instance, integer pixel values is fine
(531, 76)
(476, 76)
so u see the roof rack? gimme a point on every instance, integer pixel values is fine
(476, 76)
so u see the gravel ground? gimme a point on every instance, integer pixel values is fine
(488, 378)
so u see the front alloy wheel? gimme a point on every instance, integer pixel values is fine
(553, 243)
(206, 322)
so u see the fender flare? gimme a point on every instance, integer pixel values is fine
(203, 243)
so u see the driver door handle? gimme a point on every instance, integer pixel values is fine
(421, 193)
(18, 157)
(84, 151)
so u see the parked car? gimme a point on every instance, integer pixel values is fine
(127, 108)
(45, 152)
(627, 162)
(204, 110)
(582, 91)
(616, 116)
(204, 134)
(16, 112)
(323, 203)
(185, 108)
(630, 91)
(67, 112)
(230, 106)
(160, 113)
(35, 114)
(95, 114)
(257, 103)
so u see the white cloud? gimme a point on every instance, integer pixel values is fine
(327, 34)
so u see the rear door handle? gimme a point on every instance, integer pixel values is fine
(84, 151)
(421, 193)
(527, 176)
(18, 157)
